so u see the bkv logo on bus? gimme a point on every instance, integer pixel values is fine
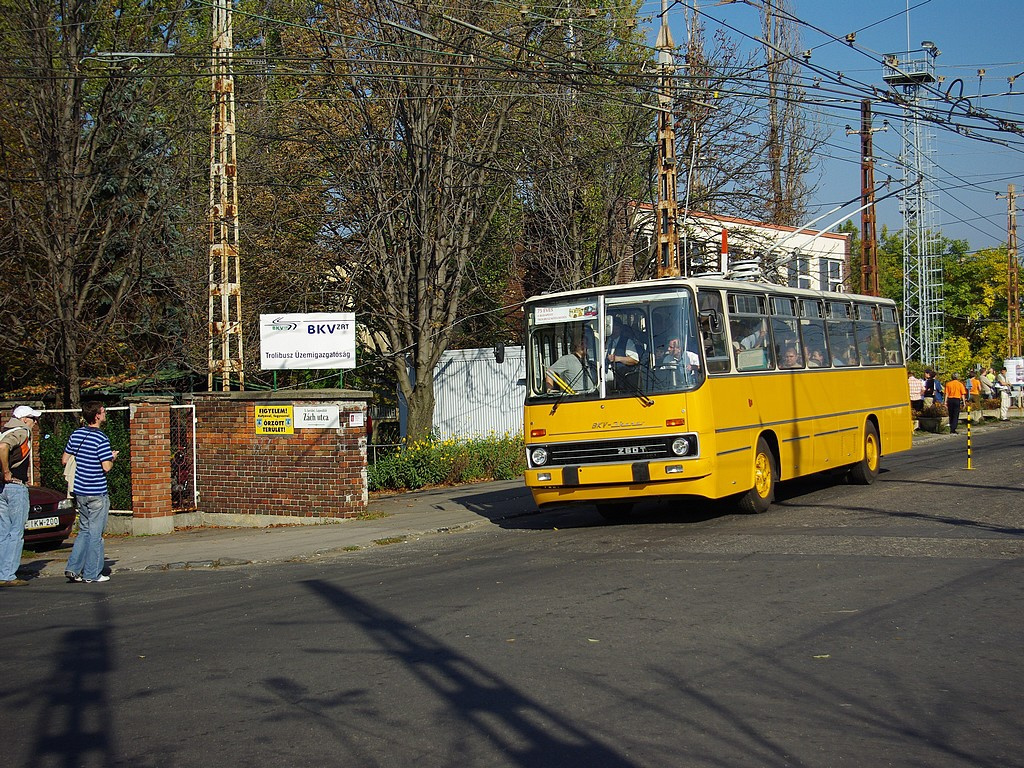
(616, 424)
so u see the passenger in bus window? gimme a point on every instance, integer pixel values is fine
(759, 338)
(675, 355)
(790, 359)
(815, 359)
(622, 355)
(571, 372)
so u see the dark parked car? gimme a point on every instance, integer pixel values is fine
(50, 516)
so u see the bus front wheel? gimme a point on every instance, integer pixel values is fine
(865, 471)
(760, 497)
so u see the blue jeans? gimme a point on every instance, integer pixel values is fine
(13, 515)
(87, 554)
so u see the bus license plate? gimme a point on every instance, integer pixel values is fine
(42, 522)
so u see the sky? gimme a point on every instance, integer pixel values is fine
(971, 36)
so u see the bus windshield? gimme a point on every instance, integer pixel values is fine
(618, 345)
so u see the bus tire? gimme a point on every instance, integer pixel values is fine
(614, 511)
(760, 497)
(865, 471)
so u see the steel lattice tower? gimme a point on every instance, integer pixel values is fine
(922, 270)
(225, 348)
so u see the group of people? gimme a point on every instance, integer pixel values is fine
(89, 448)
(982, 385)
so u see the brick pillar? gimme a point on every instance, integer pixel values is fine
(151, 465)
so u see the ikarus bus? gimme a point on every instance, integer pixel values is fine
(707, 387)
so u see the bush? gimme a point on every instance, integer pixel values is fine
(934, 410)
(449, 462)
(56, 428)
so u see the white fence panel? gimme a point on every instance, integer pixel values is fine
(476, 396)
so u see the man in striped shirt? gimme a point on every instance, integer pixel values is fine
(93, 459)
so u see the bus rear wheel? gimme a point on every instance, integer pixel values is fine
(760, 497)
(865, 471)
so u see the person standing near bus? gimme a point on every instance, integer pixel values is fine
(90, 447)
(956, 396)
(15, 462)
(932, 388)
(1003, 383)
(916, 387)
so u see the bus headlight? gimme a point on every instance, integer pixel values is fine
(539, 457)
(681, 446)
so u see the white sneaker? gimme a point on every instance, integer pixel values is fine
(101, 577)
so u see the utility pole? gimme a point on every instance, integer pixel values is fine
(668, 205)
(868, 233)
(225, 286)
(1013, 343)
(914, 72)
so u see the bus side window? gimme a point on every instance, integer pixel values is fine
(712, 330)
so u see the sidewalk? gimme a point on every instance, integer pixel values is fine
(389, 520)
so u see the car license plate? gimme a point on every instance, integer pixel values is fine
(42, 522)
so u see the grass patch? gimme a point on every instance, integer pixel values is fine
(370, 516)
(389, 540)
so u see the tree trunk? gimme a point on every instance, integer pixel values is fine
(420, 416)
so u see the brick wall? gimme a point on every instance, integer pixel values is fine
(313, 472)
(151, 460)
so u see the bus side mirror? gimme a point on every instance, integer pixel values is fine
(710, 321)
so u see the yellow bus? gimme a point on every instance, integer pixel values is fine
(707, 387)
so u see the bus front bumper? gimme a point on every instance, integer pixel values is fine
(598, 482)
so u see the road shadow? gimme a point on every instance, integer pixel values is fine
(523, 730)
(513, 507)
(75, 719)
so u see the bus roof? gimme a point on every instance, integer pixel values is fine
(720, 283)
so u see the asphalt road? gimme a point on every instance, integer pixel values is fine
(860, 626)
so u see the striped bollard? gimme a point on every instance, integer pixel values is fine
(969, 465)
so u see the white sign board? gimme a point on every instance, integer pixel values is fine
(565, 313)
(1014, 370)
(317, 417)
(316, 340)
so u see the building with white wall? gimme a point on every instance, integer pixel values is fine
(800, 258)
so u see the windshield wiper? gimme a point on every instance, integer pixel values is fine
(633, 389)
(565, 387)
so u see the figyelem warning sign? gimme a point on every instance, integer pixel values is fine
(275, 420)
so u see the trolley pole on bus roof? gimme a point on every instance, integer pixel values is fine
(668, 206)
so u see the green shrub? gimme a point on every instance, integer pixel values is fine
(449, 462)
(56, 428)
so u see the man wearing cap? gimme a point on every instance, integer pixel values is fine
(15, 460)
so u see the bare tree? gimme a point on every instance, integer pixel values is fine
(790, 139)
(585, 151)
(87, 186)
(415, 148)
(719, 135)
